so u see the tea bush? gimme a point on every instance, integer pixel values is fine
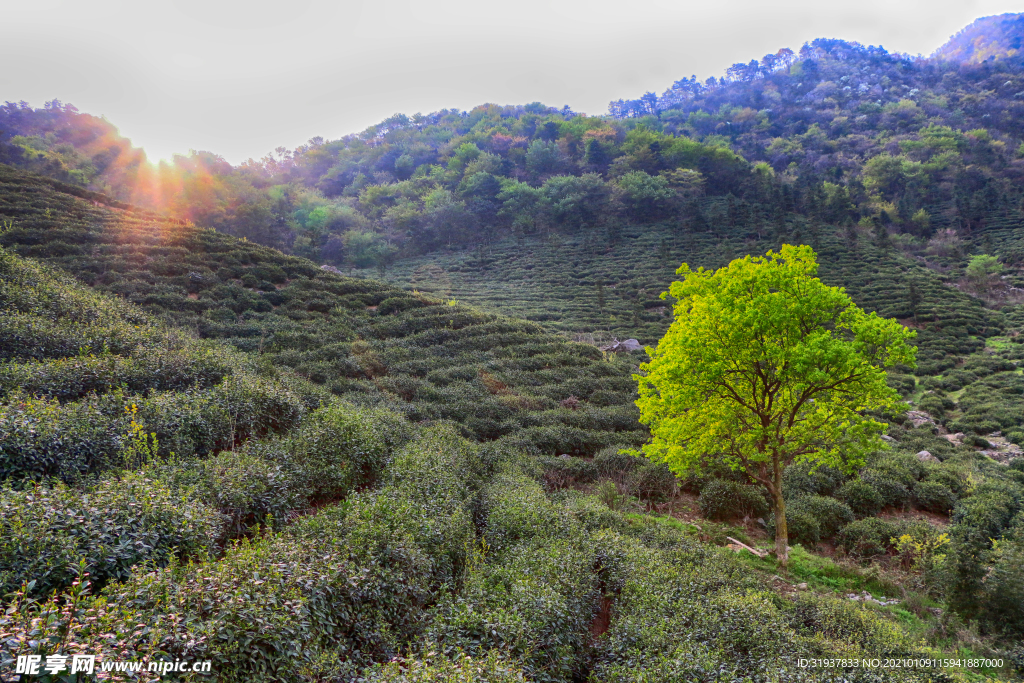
(249, 490)
(934, 497)
(891, 492)
(69, 379)
(721, 499)
(119, 523)
(841, 620)
(354, 578)
(562, 472)
(868, 537)
(803, 479)
(460, 668)
(44, 438)
(830, 514)
(863, 498)
(802, 526)
(540, 616)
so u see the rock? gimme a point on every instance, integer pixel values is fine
(889, 439)
(998, 456)
(331, 269)
(627, 346)
(801, 586)
(925, 456)
(919, 418)
(955, 439)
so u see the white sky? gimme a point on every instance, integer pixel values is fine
(241, 77)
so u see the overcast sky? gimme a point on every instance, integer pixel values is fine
(241, 77)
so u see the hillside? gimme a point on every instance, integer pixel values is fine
(997, 37)
(300, 465)
(343, 413)
(377, 345)
(99, 392)
(836, 131)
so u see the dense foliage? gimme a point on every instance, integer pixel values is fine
(838, 132)
(986, 39)
(765, 365)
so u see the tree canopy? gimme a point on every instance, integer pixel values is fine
(763, 365)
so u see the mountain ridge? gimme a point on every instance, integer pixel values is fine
(988, 38)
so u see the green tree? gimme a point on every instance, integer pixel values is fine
(765, 365)
(544, 157)
(646, 196)
(575, 201)
(983, 271)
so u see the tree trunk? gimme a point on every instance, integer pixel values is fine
(781, 531)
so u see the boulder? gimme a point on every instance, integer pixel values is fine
(955, 439)
(925, 456)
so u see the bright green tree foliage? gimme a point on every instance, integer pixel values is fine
(764, 365)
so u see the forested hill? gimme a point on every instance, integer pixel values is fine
(997, 37)
(836, 132)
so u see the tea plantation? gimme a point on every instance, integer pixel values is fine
(212, 451)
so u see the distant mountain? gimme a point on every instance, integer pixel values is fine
(996, 37)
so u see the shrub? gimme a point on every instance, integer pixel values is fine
(801, 525)
(398, 304)
(653, 481)
(540, 617)
(866, 538)
(1003, 600)
(861, 496)
(798, 480)
(354, 579)
(905, 384)
(935, 405)
(612, 463)
(257, 406)
(248, 489)
(119, 523)
(43, 438)
(562, 472)
(339, 448)
(518, 510)
(952, 476)
(68, 379)
(990, 509)
(893, 493)
(830, 514)
(674, 605)
(934, 497)
(840, 620)
(722, 499)
(461, 668)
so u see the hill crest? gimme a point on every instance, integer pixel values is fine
(995, 37)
